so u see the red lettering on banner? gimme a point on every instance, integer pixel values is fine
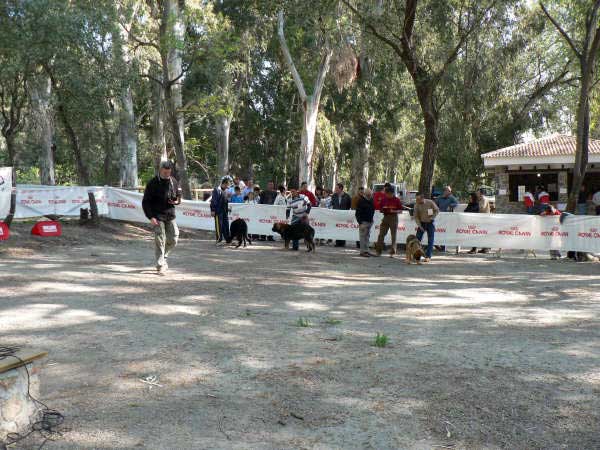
(471, 229)
(124, 204)
(196, 213)
(57, 202)
(440, 230)
(592, 234)
(514, 231)
(30, 201)
(315, 224)
(346, 225)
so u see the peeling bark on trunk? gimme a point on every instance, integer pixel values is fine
(307, 143)
(127, 140)
(222, 126)
(41, 101)
(310, 104)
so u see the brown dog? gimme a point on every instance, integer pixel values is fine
(414, 251)
(295, 232)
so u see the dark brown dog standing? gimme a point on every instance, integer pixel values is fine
(294, 232)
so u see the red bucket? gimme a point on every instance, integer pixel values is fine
(47, 228)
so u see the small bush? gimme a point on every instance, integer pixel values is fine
(381, 340)
(303, 322)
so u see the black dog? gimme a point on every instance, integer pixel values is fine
(239, 230)
(295, 232)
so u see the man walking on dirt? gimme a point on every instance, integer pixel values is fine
(219, 209)
(161, 195)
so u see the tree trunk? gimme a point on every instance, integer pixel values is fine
(582, 147)
(41, 93)
(108, 151)
(159, 141)
(172, 81)
(82, 171)
(11, 149)
(222, 125)
(360, 160)
(307, 146)
(337, 162)
(430, 146)
(127, 140)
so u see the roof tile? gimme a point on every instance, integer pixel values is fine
(555, 145)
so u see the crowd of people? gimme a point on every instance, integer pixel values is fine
(163, 193)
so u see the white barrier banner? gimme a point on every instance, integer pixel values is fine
(127, 205)
(37, 201)
(5, 190)
(507, 231)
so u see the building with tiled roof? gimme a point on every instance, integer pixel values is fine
(547, 162)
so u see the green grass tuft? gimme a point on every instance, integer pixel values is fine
(381, 340)
(303, 322)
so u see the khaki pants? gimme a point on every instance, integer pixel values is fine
(166, 235)
(388, 223)
(364, 233)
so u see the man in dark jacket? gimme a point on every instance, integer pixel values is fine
(267, 197)
(340, 200)
(161, 195)
(365, 210)
(219, 209)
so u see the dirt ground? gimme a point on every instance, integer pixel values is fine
(483, 352)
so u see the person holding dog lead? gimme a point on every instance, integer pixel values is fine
(219, 209)
(161, 195)
(425, 213)
(390, 206)
(299, 206)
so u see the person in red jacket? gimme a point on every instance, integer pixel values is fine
(529, 201)
(543, 197)
(391, 206)
(378, 196)
(550, 210)
(311, 197)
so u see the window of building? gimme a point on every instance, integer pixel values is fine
(530, 180)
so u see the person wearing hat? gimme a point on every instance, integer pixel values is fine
(161, 195)
(219, 209)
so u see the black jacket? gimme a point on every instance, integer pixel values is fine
(157, 194)
(342, 202)
(472, 207)
(219, 203)
(365, 210)
(267, 197)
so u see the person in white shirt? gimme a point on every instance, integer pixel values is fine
(281, 199)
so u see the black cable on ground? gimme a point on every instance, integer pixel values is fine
(47, 426)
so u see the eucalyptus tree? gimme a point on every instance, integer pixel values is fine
(579, 26)
(426, 36)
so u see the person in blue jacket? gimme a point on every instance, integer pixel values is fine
(219, 209)
(237, 196)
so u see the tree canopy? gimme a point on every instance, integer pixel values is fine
(414, 90)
